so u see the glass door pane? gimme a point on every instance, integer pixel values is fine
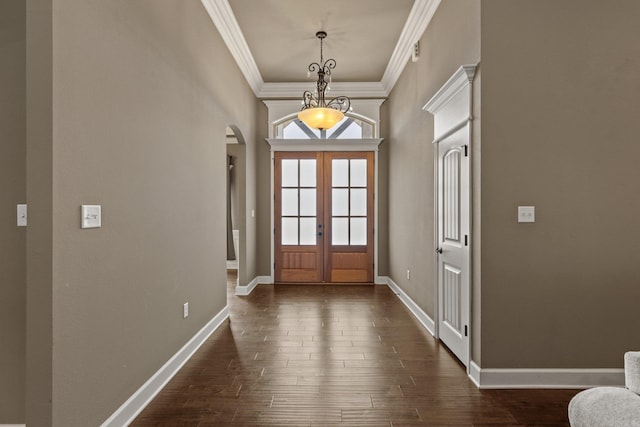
(298, 196)
(298, 222)
(349, 202)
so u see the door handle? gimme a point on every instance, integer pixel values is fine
(319, 233)
(438, 250)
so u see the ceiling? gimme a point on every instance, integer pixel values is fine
(273, 41)
(361, 36)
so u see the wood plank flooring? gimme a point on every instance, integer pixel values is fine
(335, 355)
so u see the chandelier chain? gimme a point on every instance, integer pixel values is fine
(323, 69)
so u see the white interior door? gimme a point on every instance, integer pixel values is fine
(453, 242)
(452, 110)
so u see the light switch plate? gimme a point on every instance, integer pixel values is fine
(22, 215)
(91, 216)
(526, 214)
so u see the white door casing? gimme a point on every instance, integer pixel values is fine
(367, 144)
(451, 107)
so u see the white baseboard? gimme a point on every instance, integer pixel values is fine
(258, 280)
(13, 425)
(518, 378)
(545, 378)
(382, 280)
(474, 373)
(140, 399)
(418, 313)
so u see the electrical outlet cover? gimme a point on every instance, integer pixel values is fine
(91, 216)
(526, 214)
(22, 215)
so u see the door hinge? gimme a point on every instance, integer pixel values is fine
(274, 231)
(466, 240)
(466, 331)
(466, 150)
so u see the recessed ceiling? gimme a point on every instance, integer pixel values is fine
(362, 35)
(273, 41)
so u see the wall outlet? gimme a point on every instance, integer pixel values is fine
(185, 310)
(408, 274)
(22, 215)
(526, 214)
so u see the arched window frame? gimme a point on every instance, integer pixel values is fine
(282, 111)
(367, 128)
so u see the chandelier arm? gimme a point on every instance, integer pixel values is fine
(308, 100)
(340, 103)
(329, 65)
(315, 67)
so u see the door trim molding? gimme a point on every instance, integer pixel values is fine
(462, 78)
(368, 144)
(452, 110)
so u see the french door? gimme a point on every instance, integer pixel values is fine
(323, 212)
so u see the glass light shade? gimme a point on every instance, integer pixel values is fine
(320, 118)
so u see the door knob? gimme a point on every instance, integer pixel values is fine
(438, 250)
(319, 233)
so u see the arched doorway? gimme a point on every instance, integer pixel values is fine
(236, 206)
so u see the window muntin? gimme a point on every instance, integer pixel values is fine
(347, 128)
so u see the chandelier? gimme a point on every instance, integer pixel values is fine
(317, 112)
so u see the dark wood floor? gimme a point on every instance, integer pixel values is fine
(335, 355)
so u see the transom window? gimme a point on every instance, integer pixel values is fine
(347, 128)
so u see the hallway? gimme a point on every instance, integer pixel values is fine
(335, 355)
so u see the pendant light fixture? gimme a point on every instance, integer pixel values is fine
(317, 112)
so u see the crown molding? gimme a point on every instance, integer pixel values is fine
(417, 22)
(226, 23)
(351, 89)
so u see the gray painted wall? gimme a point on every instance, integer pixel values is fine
(263, 187)
(123, 93)
(452, 39)
(558, 127)
(12, 192)
(39, 54)
(560, 130)
(382, 233)
(139, 98)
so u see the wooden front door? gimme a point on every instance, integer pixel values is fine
(324, 217)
